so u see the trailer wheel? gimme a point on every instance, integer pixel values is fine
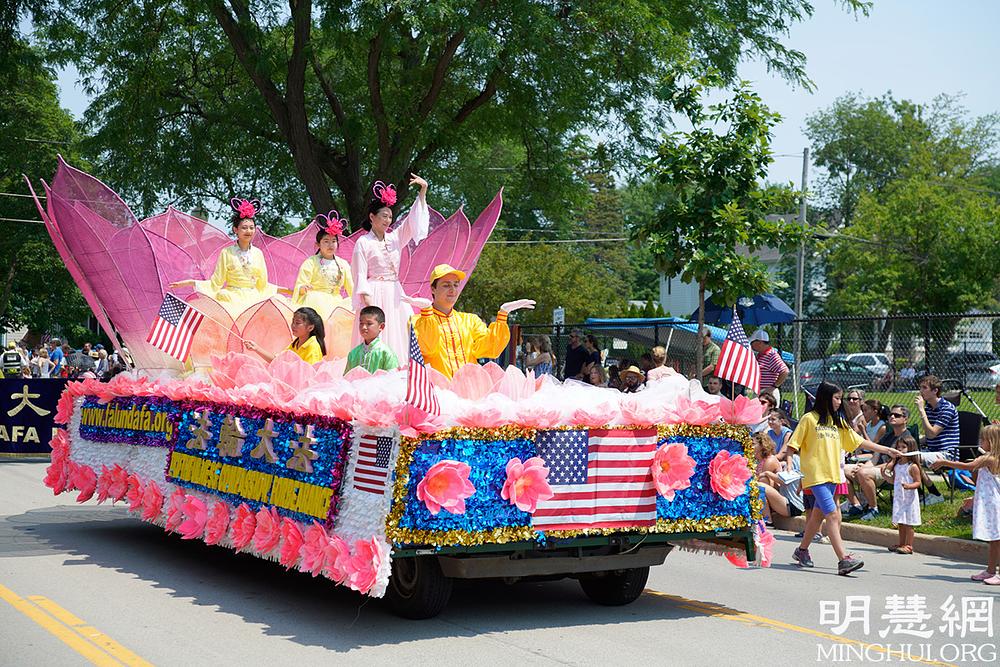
(417, 587)
(616, 588)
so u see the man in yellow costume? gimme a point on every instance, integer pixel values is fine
(448, 338)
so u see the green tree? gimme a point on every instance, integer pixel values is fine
(715, 209)
(194, 100)
(36, 290)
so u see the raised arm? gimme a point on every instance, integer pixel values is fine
(415, 225)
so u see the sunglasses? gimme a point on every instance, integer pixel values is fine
(897, 415)
(853, 398)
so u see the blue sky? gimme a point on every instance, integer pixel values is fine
(915, 48)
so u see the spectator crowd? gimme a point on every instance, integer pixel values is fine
(56, 359)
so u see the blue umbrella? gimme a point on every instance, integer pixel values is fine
(761, 309)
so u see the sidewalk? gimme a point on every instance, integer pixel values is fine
(968, 551)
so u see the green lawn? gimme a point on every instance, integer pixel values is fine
(940, 519)
(888, 398)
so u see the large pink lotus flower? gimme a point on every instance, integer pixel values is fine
(515, 385)
(729, 474)
(291, 543)
(217, 524)
(152, 501)
(446, 486)
(672, 468)
(267, 534)
(741, 411)
(364, 565)
(526, 483)
(175, 513)
(696, 412)
(244, 525)
(134, 493)
(314, 549)
(472, 382)
(194, 515)
(336, 559)
(84, 479)
(64, 408)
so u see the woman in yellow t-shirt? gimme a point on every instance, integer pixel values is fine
(307, 327)
(820, 438)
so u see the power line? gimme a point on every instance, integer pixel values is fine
(40, 222)
(559, 241)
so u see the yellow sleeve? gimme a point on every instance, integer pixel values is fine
(304, 278)
(345, 271)
(849, 439)
(490, 342)
(309, 351)
(801, 433)
(260, 270)
(212, 286)
(425, 326)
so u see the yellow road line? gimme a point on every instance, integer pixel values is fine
(58, 630)
(718, 611)
(90, 633)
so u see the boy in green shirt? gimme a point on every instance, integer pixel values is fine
(372, 354)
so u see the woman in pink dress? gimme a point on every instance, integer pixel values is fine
(376, 258)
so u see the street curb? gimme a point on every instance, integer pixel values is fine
(968, 551)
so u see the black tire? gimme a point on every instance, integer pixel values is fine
(417, 588)
(616, 588)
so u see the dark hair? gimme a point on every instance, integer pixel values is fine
(823, 406)
(313, 318)
(321, 233)
(374, 206)
(373, 311)
(902, 408)
(932, 382)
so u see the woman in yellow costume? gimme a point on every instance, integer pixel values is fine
(240, 276)
(323, 275)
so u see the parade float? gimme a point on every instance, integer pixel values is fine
(339, 476)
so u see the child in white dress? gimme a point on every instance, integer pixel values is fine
(904, 473)
(986, 502)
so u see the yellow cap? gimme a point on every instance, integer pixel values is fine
(441, 270)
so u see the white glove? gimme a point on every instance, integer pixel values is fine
(511, 306)
(417, 301)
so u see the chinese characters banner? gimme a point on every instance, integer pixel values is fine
(27, 411)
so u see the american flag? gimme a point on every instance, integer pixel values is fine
(419, 390)
(737, 362)
(600, 478)
(174, 327)
(372, 468)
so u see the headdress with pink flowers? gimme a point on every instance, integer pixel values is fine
(331, 223)
(385, 193)
(245, 208)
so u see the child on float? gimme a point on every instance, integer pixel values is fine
(323, 275)
(309, 336)
(986, 501)
(905, 476)
(372, 354)
(820, 439)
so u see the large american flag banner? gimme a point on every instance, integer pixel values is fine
(371, 471)
(419, 390)
(737, 362)
(174, 327)
(600, 478)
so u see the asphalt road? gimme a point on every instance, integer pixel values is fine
(86, 584)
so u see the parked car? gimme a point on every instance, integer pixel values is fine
(877, 362)
(839, 371)
(975, 370)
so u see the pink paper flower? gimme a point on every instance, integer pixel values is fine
(103, 482)
(765, 544)
(417, 422)
(336, 559)
(472, 382)
(478, 415)
(195, 515)
(57, 475)
(526, 483)
(380, 412)
(597, 415)
(84, 479)
(741, 411)
(64, 408)
(267, 534)
(291, 543)
(639, 412)
(175, 515)
(446, 486)
(672, 469)
(314, 549)
(152, 501)
(697, 412)
(729, 474)
(60, 445)
(244, 526)
(217, 524)
(737, 558)
(364, 565)
(537, 416)
(134, 493)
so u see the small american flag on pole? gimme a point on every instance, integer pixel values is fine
(419, 390)
(174, 327)
(737, 362)
(372, 468)
(600, 478)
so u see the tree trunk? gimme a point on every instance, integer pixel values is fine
(699, 355)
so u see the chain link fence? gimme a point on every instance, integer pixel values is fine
(884, 355)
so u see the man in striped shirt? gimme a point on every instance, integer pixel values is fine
(939, 419)
(773, 371)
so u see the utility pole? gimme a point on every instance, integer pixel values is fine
(800, 269)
